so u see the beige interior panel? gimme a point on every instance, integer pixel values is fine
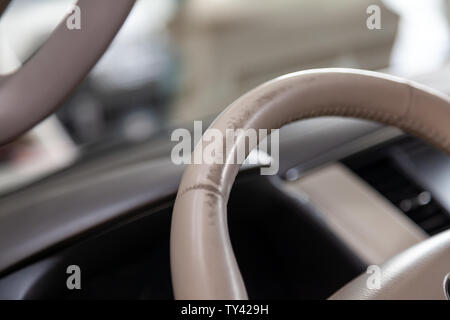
(369, 224)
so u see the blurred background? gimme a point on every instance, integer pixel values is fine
(176, 61)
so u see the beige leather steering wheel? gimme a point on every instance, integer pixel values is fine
(35, 90)
(202, 259)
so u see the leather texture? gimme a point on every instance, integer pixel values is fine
(417, 273)
(35, 91)
(202, 259)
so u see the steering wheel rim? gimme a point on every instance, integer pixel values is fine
(35, 91)
(203, 264)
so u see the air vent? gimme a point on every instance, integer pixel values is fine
(385, 175)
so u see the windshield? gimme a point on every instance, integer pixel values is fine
(174, 62)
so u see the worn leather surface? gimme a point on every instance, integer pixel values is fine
(202, 260)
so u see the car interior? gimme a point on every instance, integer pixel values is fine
(91, 94)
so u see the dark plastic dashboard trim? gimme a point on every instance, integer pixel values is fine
(29, 226)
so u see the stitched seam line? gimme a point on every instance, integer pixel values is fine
(410, 125)
(203, 186)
